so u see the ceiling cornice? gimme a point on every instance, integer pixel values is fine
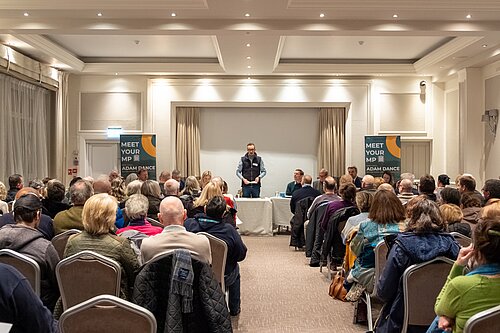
(346, 69)
(153, 68)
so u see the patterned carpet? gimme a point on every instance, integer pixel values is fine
(281, 293)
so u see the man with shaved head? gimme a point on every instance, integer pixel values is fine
(174, 236)
(305, 191)
(171, 188)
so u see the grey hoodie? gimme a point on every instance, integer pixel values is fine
(30, 242)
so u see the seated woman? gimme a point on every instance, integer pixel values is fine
(465, 295)
(137, 209)
(452, 215)
(385, 216)
(151, 189)
(98, 217)
(424, 239)
(471, 206)
(210, 190)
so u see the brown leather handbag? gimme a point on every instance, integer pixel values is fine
(337, 289)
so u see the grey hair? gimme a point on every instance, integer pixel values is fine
(137, 206)
(134, 187)
(80, 192)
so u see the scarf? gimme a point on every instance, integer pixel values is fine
(182, 279)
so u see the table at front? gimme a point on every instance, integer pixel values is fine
(256, 216)
(281, 212)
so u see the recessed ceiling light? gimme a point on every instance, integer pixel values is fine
(249, 66)
(26, 14)
(99, 14)
(468, 16)
(395, 16)
(484, 45)
(173, 14)
(248, 58)
(441, 67)
(321, 15)
(116, 73)
(249, 78)
(247, 15)
(248, 44)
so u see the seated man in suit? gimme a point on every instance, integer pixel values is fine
(297, 182)
(212, 223)
(305, 191)
(319, 183)
(174, 235)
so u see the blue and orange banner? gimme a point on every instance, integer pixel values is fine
(383, 153)
(138, 152)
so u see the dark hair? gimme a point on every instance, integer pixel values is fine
(444, 179)
(330, 185)
(468, 182)
(26, 207)
(216, 207)
(493, 187)
(14, 180)
(364, 201)
(486, 238)
(348, 192)
(467, 200)
(353, 167)
(427, 184)
(74, 180)
(450, 195)
(300, 171)
(55, 190)
(386, 208)
(425, 217)
(391, 179)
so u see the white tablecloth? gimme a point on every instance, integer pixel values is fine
(256, 216)
(281, 211)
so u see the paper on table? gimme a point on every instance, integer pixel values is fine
(5, 327)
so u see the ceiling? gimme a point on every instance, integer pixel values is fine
(278, 38)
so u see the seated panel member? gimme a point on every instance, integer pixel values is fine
(297, 182)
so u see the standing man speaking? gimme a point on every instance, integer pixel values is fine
(251, 170)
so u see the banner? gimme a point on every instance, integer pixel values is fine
(383, 153)
(138, 152)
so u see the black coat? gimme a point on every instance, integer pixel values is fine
(302, 193)
(152, 291)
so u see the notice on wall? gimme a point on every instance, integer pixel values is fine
(383, 153)
(138, 152)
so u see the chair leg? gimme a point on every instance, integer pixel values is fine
(369, 312)
(328, 263)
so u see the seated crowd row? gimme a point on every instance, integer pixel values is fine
(346, 226)
(132, 230)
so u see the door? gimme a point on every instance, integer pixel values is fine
(102, 158)
(416, 157)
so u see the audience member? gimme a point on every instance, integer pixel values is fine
(176, 174)
(209, 191)
(55, 195)
(143, 174)
(377, 181)
(118, 189)
(113, 174)
(102, 185)
(152, 191)
(171, 188)
(174, 235)
(453, 216)
(348, 194)
(329, 188)
(98, 218)
(211, 222)
(411, 178)
(450, 195)
(363, 202)
(386, 187)
(23, 237)
(38, 186)
(164, 176)
(305, 191)
(427, 186)
(296, 183)
(471, 206)
(67, 195)
(4, 207)
(424, 239)
(442, 182)
(46, 226)
(464, 296)
(190, 192)
(15, 184)
(491, 190)
(405, 191)
(388, 179)
(345, 179)
(20, 306)
(206, 177)
(368, 183)
(137, 211)
(385, 215)
(130, 178)
(80, 192)
(467, 184)
(320, 182)
(353, 172)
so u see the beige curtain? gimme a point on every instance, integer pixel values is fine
(59, 161)
(188, 141)
(331, 150)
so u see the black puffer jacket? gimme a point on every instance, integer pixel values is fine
(210, 313)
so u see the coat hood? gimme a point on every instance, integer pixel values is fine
(16, 237)
(424, 247)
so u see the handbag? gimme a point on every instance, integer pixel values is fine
(337, 289)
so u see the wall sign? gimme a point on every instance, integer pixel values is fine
(138, 152)
(383, 153)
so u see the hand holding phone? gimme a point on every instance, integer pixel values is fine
(464, 255)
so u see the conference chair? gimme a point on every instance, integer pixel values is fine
(219, 254)
(463, 240)
(28, 267)
(59, 241)
(487, 321)
(107, 313)
(154, 222)
(85, 275)
(380, 260)
(421, 285)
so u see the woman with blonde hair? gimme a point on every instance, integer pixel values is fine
(98, 217)
(4, 207)
(209, 191)
(206, 177)
(452, 216)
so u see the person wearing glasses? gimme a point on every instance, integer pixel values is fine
(251, 170)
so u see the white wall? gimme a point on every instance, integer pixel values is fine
(225, 132)
(492, 143)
